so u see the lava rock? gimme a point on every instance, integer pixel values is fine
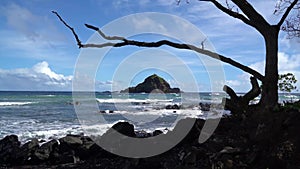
(43, 153)
(204, 106)
(124, 128)
(9, 147)
(70, 142)
(175, 106)
(157, 132)
(26, 152)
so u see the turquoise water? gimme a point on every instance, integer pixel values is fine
(47, 115)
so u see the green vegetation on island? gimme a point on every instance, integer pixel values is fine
(152, 84)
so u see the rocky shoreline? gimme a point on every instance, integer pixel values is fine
(243, 141)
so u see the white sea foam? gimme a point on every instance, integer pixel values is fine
(164, 112)
(132, 100)
(48, 133)
(15, 103)
(48, 95)
(97, 129)
(291, 96)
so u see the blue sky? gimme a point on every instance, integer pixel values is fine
(38, 53)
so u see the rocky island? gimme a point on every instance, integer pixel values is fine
(152, 84)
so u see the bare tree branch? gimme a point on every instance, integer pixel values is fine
(292, 28)
(289, 25)
(72, 29)
(202, 43)
(228, 6)
(251, 16)
(126, 42)
(288, 10)
(230, 12)
(179, 1)
(103, 35)
(256, 20)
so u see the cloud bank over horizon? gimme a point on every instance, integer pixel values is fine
(38, 77)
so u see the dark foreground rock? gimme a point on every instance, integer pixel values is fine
(239, 143)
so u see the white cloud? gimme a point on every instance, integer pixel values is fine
(42, 77)
(146, 23)
(286, 64)
(259, 66)
(227, 34)
(166, 3)
(43, 67)
(291, 45)
(233, 82)
(39, 77)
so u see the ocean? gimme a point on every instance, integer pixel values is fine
(51, 115)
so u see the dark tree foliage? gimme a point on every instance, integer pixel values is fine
(286, 82)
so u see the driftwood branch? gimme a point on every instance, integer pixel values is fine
(254, 92)
(126, 42)
(230, 92)
(236, 104)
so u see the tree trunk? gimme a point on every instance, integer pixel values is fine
(269, 98)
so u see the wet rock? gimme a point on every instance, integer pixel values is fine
(26, 152)
(69, 150)
(106, 111)
(124, 128)
(70, 142)
(87, 142)
(64, 157)
(175, 106)
(9, 147)
(228, 163)
(102, 111)
(171, 107)
(43, 153)
(142, 134)
(229, 150)
(204, 106)
(91, 150)
(190, 159)
(193, 135)
(157, 132)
